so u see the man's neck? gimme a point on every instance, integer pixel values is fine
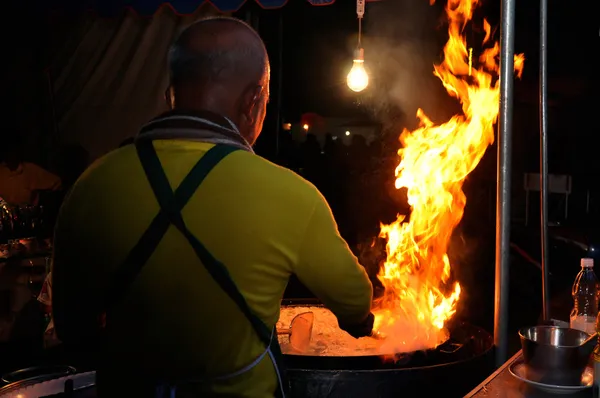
(209, 115)
(217, 101)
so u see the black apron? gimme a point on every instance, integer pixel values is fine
(171, 204)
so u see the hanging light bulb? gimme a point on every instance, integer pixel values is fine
(358, 79)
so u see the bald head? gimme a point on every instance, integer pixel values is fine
(217, 51)
(220, 64)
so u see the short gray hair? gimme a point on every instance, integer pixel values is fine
(210, 64)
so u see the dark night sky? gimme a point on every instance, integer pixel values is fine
(403, 39)
(318, 43)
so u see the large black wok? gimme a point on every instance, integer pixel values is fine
(451, 369)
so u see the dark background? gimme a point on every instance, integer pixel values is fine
(403, 39)
(317, 53)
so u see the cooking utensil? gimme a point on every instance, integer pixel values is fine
(300, 331)
(556, 355)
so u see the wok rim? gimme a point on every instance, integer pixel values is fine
(524, 337)
(483, 335)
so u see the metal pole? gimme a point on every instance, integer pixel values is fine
(279, 84)
(527, 208)
(544, 155)
(507, 51)
(587, 202)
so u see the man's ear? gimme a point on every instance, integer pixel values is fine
(249, 100)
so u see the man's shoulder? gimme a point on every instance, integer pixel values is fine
(118, 162)
(264, 172)
(115, 171)
(122, 170)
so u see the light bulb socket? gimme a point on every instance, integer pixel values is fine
(360, 8)
(359, 54)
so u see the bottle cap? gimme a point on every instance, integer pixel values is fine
(587, 263)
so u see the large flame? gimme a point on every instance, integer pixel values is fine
(435, 160)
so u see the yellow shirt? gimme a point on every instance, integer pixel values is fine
(262, 221)
(18, 187)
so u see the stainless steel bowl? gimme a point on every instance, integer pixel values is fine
(555, 355)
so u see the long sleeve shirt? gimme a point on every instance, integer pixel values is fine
(263, 222)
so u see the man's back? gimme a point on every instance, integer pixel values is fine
(261, 221)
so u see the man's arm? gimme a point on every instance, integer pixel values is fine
(329, 269)
(43, 180)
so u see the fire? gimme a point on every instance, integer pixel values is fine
(435, 160)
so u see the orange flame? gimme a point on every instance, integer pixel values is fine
(435, 160)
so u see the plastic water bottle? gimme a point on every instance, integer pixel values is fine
(585, 297)
(597, 362)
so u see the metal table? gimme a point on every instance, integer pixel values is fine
(501, 384)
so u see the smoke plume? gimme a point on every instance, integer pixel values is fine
(403, 40)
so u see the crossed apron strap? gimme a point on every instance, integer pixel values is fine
(171, 204)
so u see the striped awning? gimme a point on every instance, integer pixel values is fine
(149, 7)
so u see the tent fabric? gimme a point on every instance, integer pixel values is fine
(109, 78)
(149, 7)
(110, 75)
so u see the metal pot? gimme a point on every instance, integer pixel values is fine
(555, 355)
(55, 381)
(23, 378)
(38, 373)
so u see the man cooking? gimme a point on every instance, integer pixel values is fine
(21, 182)
(185, 241)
